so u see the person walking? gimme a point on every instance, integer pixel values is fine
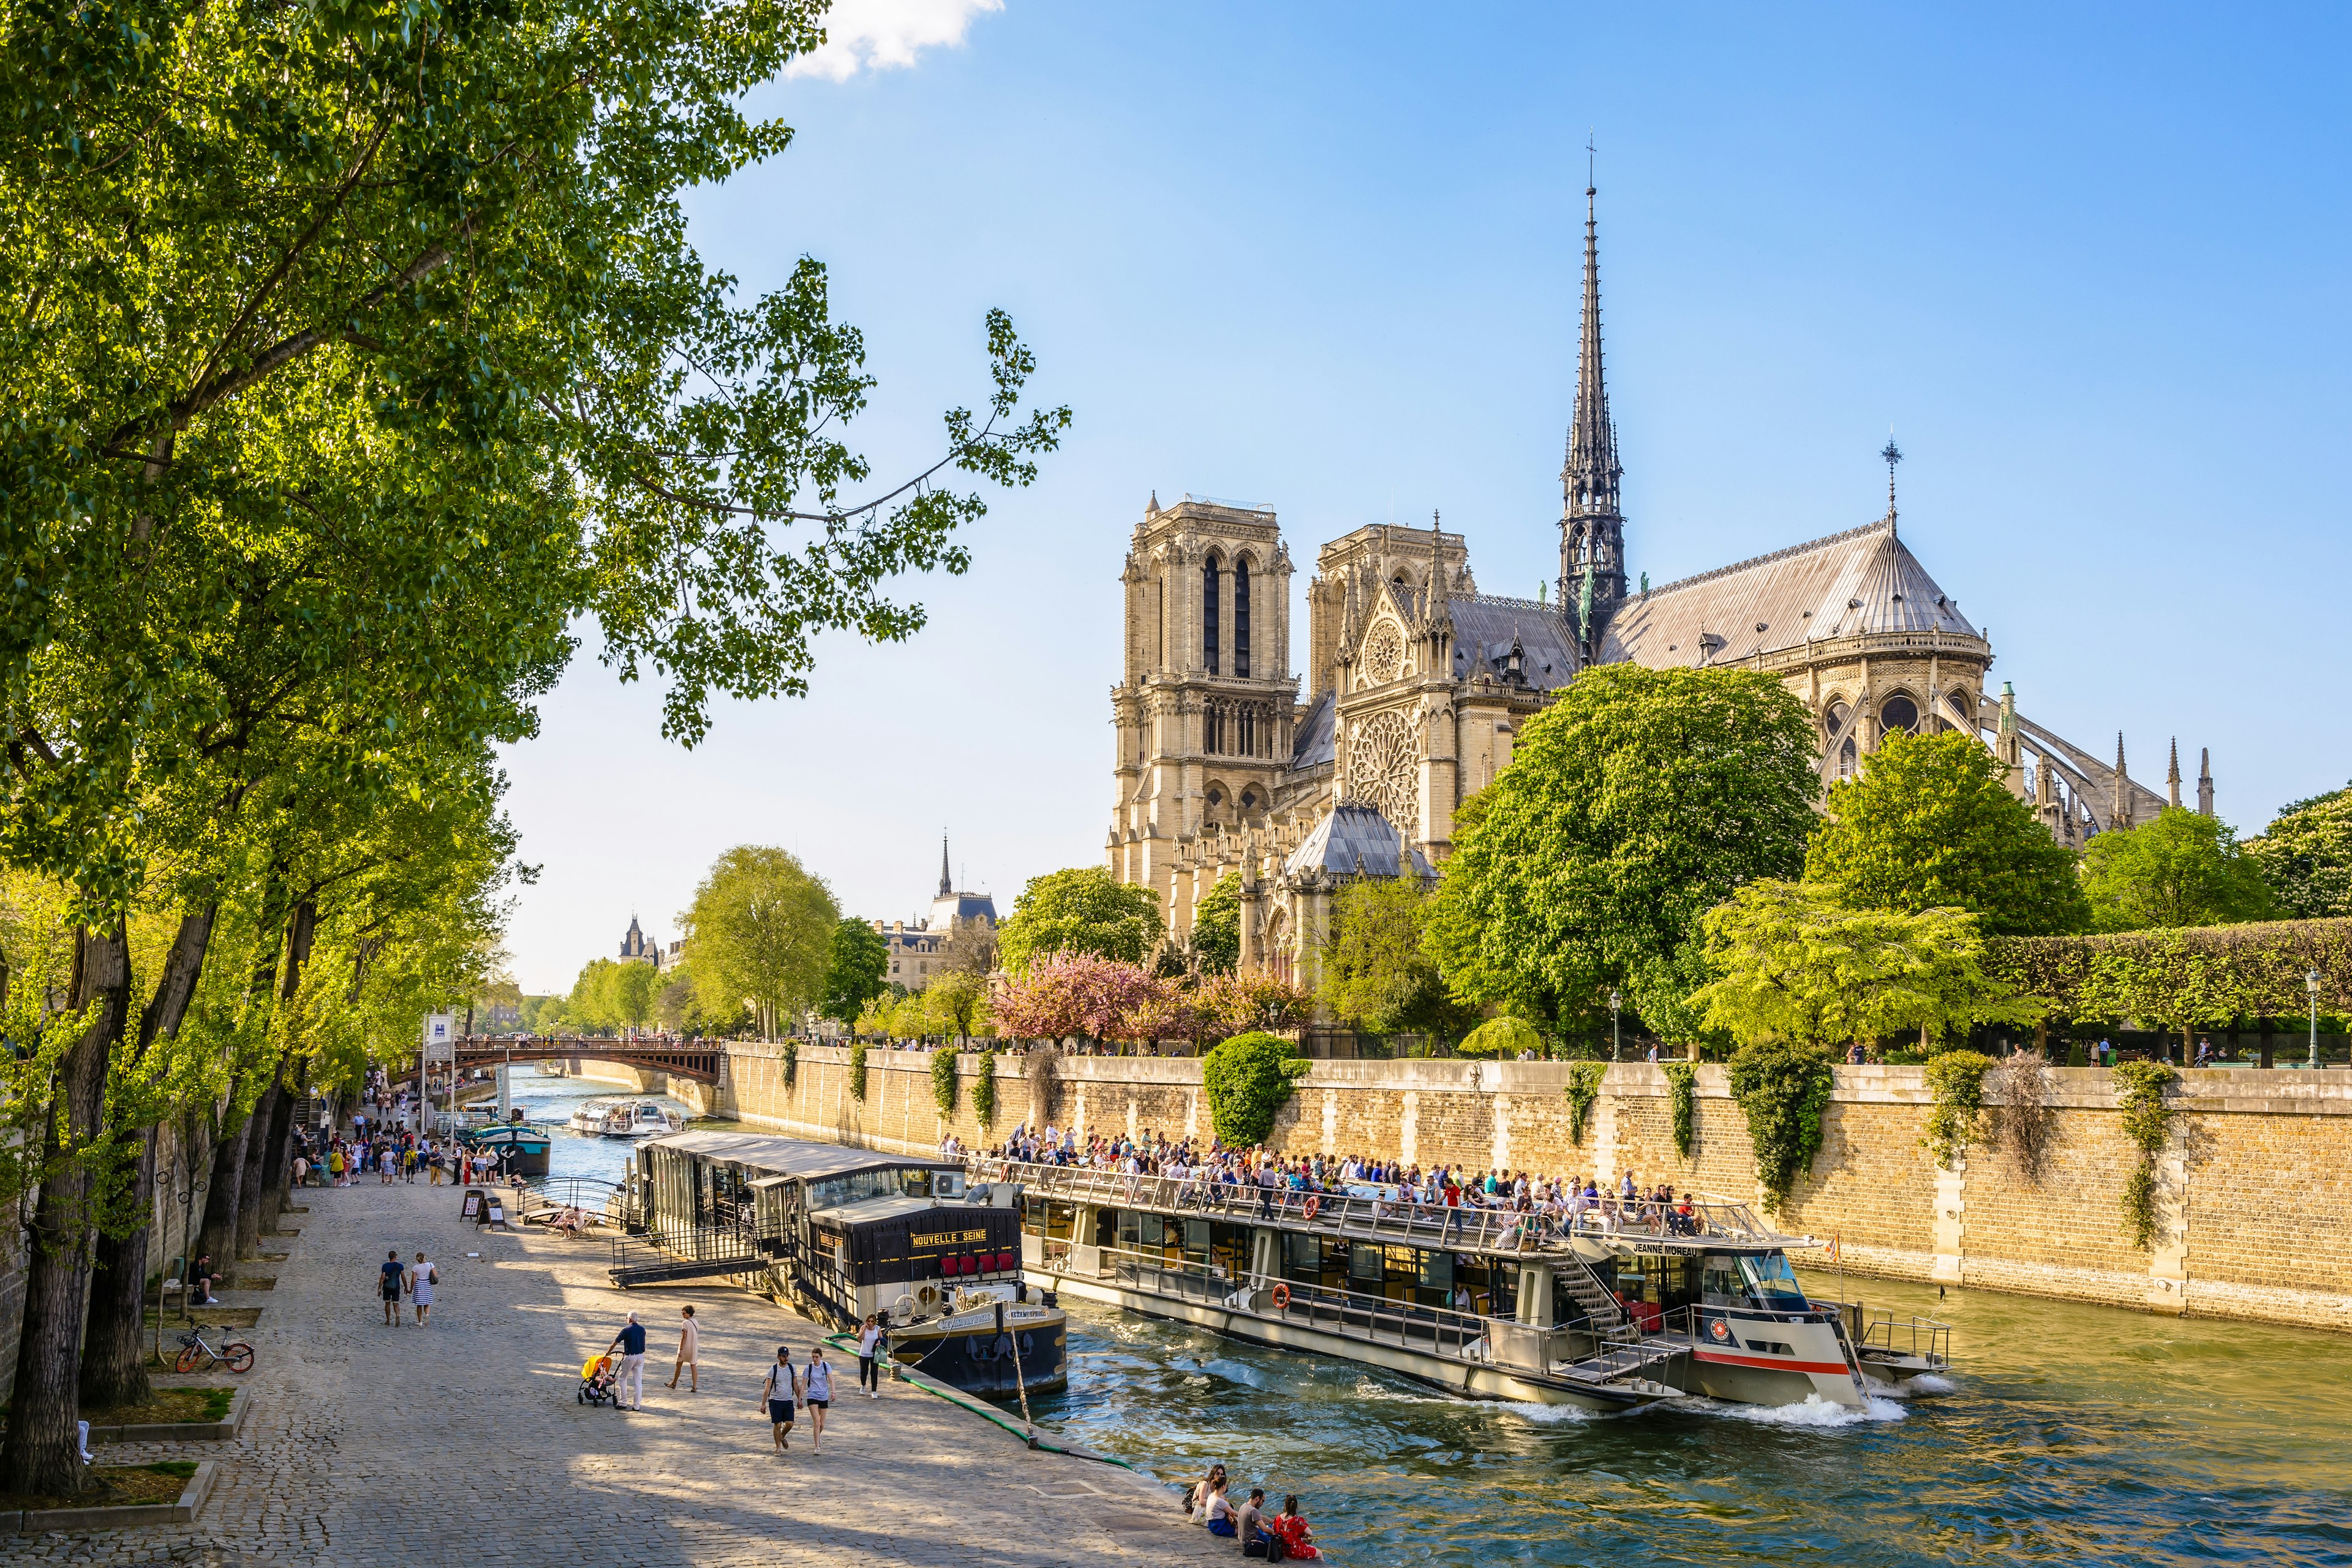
(781, 1392)
(869, 1349)
(393, 1276)
(421, 1277)
(689, 1336)
(816, 1393)
(630, 1385)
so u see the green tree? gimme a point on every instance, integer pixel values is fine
(1377, 975)
(2305, 855)
(761, 931)
(857, 971)
(1798, 965)
(594, 1002)
(1081, 911)
(634, 987)
(1930, 824)
(955, 1003)
(1217, 926)
(1632, 805)
(2181, 869)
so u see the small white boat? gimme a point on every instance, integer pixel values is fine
(639, 1119)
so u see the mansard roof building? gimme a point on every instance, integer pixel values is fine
(1226, 760)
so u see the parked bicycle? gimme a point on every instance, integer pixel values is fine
(197, 1355)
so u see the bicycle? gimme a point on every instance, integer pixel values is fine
(196, 1356)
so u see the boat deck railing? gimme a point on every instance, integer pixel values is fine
(1404, 1221)
(1352, 1314)
(1882, 1330)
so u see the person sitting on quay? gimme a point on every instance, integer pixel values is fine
(1289, 1527)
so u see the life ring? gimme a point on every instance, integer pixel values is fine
(1314, 1206)
(1281, 1297)
(1720, 1330)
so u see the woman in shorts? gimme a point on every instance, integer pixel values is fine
(817, 1387)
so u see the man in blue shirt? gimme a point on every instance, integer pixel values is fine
(393, 1276)
(629, 1387)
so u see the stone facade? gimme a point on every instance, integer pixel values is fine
(2252, 1190)
(1416, 684)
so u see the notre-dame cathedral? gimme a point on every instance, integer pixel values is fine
(1229, 761)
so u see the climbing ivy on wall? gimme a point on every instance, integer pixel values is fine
(2197, 977)
(857, 1070)
(1245, 1081)
(1682, 1080)
(1957, 1079)
(1782, 1087)
(983, 1090)
(791, 1061)
(2147, 1121)
(943, 1081)
(1583, 1087)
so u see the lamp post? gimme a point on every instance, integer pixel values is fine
(1616, 1038)
(2310, 986)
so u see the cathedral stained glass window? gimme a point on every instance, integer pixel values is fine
(1242, 627)
(1209, 616)
(1899, 712)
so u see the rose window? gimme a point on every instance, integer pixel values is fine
(1383, 654)
(1381, 767)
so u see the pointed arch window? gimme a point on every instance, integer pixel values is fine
(1847, 759)
(1209, 614)
(1241, 618)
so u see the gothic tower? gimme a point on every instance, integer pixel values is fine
(1591, 526)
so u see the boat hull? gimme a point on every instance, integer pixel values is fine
(974, 1357)
(1469, 1380)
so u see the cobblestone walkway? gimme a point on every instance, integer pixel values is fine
(462, 1442)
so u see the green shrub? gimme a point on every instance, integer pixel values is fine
(983, 1090)
(857, 1070)
(1583, 1087)
(1245, 1081)
(943, 1082)
(1502, 1038)
(1957, 1079)
(2147, 1121)
(1782, 1087)
(792, 1060)
(2076, 1055)
(1682, 1089)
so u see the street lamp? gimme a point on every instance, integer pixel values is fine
(2310, 985)
(1616, 1040)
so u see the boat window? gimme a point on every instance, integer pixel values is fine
(1773, 1283)
(859, 1185)
(1302, 1260)
(1365, 1266)
(1436, 1278)
(1720, 1282)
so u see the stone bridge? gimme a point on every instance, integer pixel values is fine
(690, 1059)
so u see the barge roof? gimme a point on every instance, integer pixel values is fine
(793, 1156)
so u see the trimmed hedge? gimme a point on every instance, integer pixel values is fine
(2193, 977)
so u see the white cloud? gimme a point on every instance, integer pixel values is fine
(874, 35)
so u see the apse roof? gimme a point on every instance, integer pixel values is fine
(1863, 580)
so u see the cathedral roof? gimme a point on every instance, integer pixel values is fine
(1312, 744)
(1484, 627)
(1863, 580)
(1355, 840)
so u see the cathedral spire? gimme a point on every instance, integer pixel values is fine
(1592, 525)
(1435, 605)
(947, 884)
(2205, 782)
(2172, 774)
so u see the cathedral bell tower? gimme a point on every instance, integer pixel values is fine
(1591, 526)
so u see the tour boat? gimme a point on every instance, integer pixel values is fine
(521, 1147)
(625, 1119)
(1636, 1303)
(844, 1234)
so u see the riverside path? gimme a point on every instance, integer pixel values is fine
(462, 1442)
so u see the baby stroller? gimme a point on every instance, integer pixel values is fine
(596, 1382)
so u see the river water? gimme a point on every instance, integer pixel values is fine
(2067, 1434)
(550, 1101)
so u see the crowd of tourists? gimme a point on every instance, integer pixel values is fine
(390, 1155)
(1533, 1205)
(1249, 1521)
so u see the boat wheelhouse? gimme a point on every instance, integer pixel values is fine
(1633, 1303)
(843, 1234)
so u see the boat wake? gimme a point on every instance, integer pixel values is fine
(1926, 1385)
(1813, 1411)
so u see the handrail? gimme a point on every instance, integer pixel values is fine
(1466, 1227)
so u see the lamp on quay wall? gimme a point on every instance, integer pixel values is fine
(2311, 984)
(1616, 1040)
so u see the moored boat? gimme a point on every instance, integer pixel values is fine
(844, 1234)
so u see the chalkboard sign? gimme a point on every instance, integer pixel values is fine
(473, 1203)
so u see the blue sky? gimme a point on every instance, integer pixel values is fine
(2088, 263)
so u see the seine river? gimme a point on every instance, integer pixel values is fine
(2067, 1434)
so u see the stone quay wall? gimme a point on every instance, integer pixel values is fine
(2253, 1187)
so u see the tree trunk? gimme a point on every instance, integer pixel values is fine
(256, 1161)
(114, 1360)
(42, 1455)
(274, 1161)
(218, 1237)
